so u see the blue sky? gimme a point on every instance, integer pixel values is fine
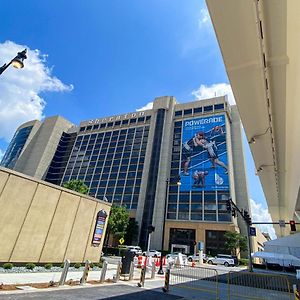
(94, 58)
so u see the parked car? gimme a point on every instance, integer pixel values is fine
(153, 253)
(195, 257)
(136, 249)
(172, 257)
(222, 259)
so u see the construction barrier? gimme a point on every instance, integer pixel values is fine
(296, 292)
(249, 285)
(199, 279)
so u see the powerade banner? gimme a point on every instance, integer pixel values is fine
(204, 163)
(99, 227)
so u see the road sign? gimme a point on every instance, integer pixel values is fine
(281, 223)
(200, 246)
(121, 241)
(252, 231)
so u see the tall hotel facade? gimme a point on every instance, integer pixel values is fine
(137, 160)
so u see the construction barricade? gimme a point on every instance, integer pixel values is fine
(199, 279)
(249, 285)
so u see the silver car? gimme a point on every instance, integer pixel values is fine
(221, 259)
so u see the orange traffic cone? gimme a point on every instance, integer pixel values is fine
(140, 261)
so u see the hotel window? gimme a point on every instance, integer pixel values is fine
(208, 108)
(187, 111)
(197, 110)
(178, 113)
(219, 106)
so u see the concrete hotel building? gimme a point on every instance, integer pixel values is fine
(136, 159)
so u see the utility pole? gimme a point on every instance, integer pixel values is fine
(231, 207)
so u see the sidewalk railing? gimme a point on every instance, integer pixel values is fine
(249, 285)
(202, 279)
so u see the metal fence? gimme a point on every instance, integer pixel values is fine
(204, 280)
(248, 285)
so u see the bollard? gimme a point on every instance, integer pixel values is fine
(103, 271)
(153, 271)
(117, 276)
(85, 272)
(131, 271)
(142, 277)
(167, 281)
(64, 273)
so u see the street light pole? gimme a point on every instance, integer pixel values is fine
(160, 271)
(17, 62)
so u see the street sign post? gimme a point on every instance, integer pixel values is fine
(252, 231)
(121, 241)
(282, 223)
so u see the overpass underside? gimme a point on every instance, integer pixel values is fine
(259, 41)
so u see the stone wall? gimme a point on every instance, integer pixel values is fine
(42, 222)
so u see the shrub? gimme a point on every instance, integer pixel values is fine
(30, 266)
(99, 264)
(77, 265)
(243, 262)
(92, 265)
(48, 266)
(7, 266)
(62, 265)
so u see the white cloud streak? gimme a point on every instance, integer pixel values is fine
(146, 107)
(261, 214)
(20, 90)
(204, 19)
(214, 90)
(1, 154)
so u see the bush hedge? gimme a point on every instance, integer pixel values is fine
(7, 266)
(48, 266)
(30, 266)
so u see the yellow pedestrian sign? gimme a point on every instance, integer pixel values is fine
(121, 241)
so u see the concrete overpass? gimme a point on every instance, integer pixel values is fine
(260, 44)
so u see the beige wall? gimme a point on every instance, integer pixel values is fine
(41, 222)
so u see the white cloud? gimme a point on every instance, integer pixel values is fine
(1, 154)
(146, 107)
(214, 90)
(20, 90)
(204, 18)
(260, 214)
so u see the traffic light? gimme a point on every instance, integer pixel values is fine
(293, 225)
(233, 213)
(228, 205)
(151, 228)
(247, 218)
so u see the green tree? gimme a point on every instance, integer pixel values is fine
(234, 241)
(77, 186)
(132, 231)
(118, 221)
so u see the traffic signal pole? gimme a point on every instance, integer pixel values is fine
(247, 219)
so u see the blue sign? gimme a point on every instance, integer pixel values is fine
(204, 162)
(252, 231)
(200, 246)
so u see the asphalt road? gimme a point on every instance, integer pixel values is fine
(116, 292)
